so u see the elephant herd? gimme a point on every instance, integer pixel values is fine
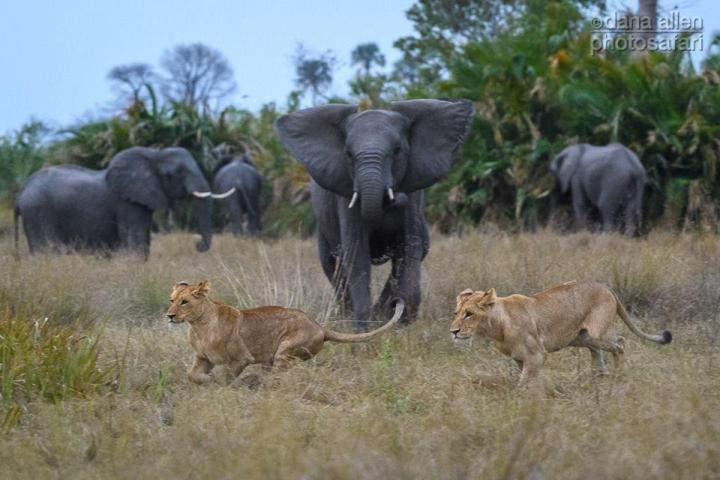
(368, 170)
(106, 210)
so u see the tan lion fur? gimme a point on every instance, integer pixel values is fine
(574, 314)
(223, 335)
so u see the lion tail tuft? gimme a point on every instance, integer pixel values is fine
(662, 338)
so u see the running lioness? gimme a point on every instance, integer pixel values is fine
(574, 314)
(223, 335)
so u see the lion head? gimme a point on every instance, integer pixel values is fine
(471, 312)
(186, 301)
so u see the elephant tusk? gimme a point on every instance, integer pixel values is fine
(353, 199)
(202, 194)
(391, 195)
(224, 195)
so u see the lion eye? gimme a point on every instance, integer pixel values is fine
(183, 302)
(468, 315)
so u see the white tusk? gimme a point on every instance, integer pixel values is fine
(391, 195)
(202, 194)
(224, 195)
(353, 199)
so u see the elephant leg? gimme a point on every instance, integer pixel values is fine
(235, 212)
(609, 210)
(40, 231)
(134, 223)
(356, 267)
(415, 245)
(580, 209)
(254, 214)
(334, 273)
(389, 291)
(409, 278)
(632, 213)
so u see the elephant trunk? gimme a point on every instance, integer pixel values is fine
(203, 210)
(371, 185)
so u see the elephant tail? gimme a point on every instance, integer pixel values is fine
(246, 201)
(661, 338)
(16, 226)
(333, 336)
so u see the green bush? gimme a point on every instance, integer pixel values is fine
(40, 361)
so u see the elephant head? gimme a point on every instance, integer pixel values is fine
(565, 164)
(374, 154)
(156, 178)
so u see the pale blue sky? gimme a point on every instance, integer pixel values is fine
(55, 54)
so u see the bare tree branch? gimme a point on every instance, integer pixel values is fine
(129, 79)
(196, 75)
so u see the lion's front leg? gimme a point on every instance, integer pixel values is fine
(531, 365)
(200, 371)
(240, 357)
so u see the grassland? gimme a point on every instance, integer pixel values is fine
(410, 405)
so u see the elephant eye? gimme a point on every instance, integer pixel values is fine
(348, 154)
(396, 150)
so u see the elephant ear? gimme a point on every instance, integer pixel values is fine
(437, 129)
(131, 175)
(564, 166)
(316, 138)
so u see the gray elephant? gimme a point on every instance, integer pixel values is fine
(369, 170)
(104, 210)
(239, 173)
(609, 179)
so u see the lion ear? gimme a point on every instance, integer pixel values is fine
(179, 285)
(490, 297)
(203, 288)
(462, 297)
(464, 294)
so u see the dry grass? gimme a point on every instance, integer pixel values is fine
(408, 406)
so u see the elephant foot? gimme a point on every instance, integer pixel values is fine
(409, 315)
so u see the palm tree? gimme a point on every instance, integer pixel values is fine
(366, 55)
(313, 71)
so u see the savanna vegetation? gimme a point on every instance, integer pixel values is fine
(98, 390)
(92, 378)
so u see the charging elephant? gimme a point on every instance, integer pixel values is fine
(239, 172)
(104, 210)
(369, 170)
(610, 179)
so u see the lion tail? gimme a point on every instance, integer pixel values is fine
(333, 336)
(661, 338)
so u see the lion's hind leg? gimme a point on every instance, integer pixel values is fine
(619, 353)
(295, 349)
(597, 346)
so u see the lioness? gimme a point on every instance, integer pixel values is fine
(223, 335)
(574, 314)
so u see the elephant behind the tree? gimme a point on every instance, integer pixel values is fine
(239, 173)
(609, 180)
(68, 206)
(369, 170)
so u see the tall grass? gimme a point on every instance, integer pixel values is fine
(41, 361)
(408, 405)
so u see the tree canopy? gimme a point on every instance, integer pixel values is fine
(529, 66)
